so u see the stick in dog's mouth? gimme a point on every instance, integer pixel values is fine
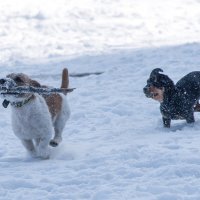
(26, 90)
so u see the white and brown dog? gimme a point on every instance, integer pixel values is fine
(36, 118)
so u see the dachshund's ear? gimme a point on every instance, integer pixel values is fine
(155, 72)
(35, 83)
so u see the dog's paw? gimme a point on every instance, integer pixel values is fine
(32, 153)
(43, 153)
(53, 143)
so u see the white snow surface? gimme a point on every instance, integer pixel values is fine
(114, 146)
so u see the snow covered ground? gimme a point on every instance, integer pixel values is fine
(114, 146)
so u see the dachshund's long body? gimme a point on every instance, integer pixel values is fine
(176, 101)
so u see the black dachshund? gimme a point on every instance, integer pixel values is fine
(178, 101)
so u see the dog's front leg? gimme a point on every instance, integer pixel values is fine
(190, 118)
(166, 122)
(43, 150)
(28, 144)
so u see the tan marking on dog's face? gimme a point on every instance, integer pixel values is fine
(23, 80)
(157, 94)
(20, 79)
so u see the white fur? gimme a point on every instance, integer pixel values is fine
(32, 122)
(33, 125)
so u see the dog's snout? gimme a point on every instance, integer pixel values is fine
(2, 81)
(146, 89)
(147, 92)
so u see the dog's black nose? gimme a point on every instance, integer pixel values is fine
(2, 81)
(145, 89)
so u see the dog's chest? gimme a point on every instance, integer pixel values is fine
(166, 113)
(31, 120)
(173, 111)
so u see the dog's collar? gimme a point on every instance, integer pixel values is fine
(19, 104)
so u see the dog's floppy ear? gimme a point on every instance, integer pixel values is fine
(34, 83)
(162, 80)
(155, 73)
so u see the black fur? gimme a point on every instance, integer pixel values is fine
(180, 99)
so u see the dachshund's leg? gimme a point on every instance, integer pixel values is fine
(166, 122)
(190, 118)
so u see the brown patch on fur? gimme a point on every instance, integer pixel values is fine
(54, 103)
(34, 83)
(23, 80)
(20, 79)
(157, 94)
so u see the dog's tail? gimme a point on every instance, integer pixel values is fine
(65, 79)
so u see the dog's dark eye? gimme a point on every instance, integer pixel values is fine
(18, 79)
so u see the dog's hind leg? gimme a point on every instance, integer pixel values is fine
(190, 118)
(59, 124)
(166, 122)
(28, 144)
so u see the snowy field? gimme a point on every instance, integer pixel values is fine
(114, 145)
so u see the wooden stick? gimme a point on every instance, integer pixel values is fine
(26, 90)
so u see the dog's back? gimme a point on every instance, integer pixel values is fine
(189, 85)
(189, 81)
(54, 101)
